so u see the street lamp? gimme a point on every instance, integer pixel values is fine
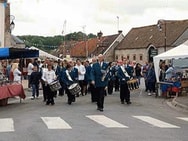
(160, 28)
(11, 23)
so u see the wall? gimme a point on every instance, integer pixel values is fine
(131, 53)
(110, 52)
(2, 24)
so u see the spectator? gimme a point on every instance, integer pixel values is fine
(35, 81)
(151, 79)
(16, 73)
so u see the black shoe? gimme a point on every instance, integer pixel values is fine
(100, 109)
(52, 103)
(69, 102)
(73, 100)
(122, 102)
(47, 103)
(32, 98)
(77, 95)
(129, 102)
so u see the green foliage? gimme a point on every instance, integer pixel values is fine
(50, 43)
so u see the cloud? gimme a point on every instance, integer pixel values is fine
(46, 17)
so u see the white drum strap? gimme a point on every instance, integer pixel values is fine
(68, 75)
(125, 72)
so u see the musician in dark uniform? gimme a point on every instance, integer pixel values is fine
(70, 76)
(116, 67)
(111, 78)
(124, 74)
(91, 86)
(58, 71)
(99, 78)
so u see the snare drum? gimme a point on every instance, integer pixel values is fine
(74, 88)
(55, 85)
(132, 84)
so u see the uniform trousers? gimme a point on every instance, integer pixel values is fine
(100, 93)
(44, 88)
(110, 86)
(93, 93)
(71, 97)
(124, 93)
(116, 84)
(81, 83)
(50, 95)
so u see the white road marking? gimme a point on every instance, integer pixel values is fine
(183, 118)
(105, 121)
(55, 123)
(6, 125)
(156, 122)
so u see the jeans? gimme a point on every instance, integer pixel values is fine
(35, 90)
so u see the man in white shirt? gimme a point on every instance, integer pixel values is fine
(81, 75)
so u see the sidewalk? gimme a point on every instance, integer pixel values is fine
(180, 102)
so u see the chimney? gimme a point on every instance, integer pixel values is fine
(99, 34)
(120, 31)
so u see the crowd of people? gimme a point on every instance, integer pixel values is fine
(98, 77)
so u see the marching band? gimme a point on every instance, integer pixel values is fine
(74, 78)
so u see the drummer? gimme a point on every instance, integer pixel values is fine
(124, 74)
(48, 77)
(70, 76)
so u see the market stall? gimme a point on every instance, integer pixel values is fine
(43, 54)
(9, 89)
(14, 53)
(179, 52)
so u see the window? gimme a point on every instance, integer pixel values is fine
(122, 57)
(134, 56)
(128, 57)
(141, 57)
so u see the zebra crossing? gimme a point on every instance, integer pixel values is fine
(7, 124)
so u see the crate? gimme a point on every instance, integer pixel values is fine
(184, 83)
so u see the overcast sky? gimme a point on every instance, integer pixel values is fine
(51, 17)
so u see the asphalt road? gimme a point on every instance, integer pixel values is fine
(146, 119)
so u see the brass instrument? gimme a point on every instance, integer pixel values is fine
(105, 73)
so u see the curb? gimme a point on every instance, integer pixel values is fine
(177, 105)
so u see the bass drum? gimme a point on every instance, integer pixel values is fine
(74, 88)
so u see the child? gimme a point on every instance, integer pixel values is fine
(35, 80)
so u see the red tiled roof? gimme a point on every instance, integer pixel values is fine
(94, 46)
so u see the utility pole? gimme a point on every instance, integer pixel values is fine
(85, 40)
(63, 33)
(118, 23)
